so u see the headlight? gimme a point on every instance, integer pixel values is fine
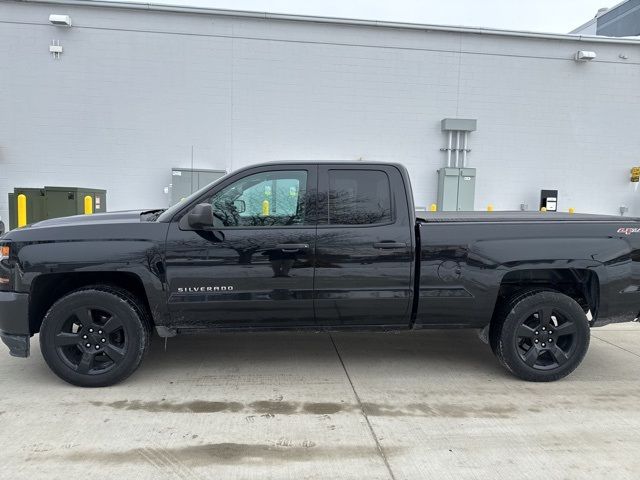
(5, 269)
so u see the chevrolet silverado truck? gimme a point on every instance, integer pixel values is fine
(313, 246)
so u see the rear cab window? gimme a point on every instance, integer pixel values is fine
(357, 197)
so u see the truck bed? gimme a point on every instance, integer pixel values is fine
(466, 258)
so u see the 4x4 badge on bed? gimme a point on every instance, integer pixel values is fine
(628, 230)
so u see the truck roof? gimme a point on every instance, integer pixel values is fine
(518, 216)
(357, 163)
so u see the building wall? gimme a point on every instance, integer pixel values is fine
(134, 91)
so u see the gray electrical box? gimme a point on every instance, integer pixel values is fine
(185, 181)
(448, 179)
(456, 189)
(459, 124)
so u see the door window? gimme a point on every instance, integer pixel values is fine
(358, 197)
(276, 198)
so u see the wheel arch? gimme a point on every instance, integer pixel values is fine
(581, 284)
(46, 289)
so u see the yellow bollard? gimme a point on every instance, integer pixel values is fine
(88, 205)
(543, 209)
(572, 210)
(22, 210)
(265, 207)
(489, 208)
(433, 207)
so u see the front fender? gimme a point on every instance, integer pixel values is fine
(96, 259)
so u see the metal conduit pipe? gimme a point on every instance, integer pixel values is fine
(464, 151)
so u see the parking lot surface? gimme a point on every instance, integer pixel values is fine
(414, 405)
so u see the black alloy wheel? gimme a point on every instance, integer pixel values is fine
(546, 339)
(540, 335)
(91, 341)
(95, 336)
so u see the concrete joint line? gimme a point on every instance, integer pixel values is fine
(617, 346)
(364, 413)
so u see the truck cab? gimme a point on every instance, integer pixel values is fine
(308, 245)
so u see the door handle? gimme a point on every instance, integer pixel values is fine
(390, 245)
(292, 247)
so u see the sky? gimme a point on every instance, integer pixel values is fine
(556, 16)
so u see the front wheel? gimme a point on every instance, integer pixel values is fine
(95, 336)
(541, 336)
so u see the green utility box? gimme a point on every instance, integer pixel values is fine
(35, 205)
(456, 189)
(55, 202)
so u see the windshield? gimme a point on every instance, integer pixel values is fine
(168, 214)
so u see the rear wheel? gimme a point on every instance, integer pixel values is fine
(541, 336)
(95, 336)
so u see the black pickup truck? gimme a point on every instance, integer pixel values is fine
(314, 246)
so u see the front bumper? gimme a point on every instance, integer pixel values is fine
(14, 322)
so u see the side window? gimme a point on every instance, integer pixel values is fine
(358, 197)
(275, 198)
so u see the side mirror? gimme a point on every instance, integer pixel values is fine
(241, 207)
(201, 217)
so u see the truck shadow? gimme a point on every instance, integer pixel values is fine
(391, 353)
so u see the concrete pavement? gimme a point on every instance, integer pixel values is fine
(414, 405)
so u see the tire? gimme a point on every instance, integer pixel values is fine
(95, 336)
(540, 335)
(502, 311)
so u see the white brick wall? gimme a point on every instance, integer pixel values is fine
(133, 91)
